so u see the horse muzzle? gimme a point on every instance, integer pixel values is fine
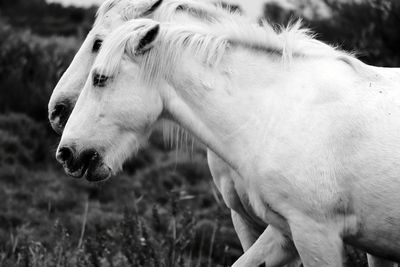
(88, 163)
(59, 114)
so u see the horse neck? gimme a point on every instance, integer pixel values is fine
(221, 111)
(209, 123)
(240, 108)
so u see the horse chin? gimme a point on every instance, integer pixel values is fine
(75, 173)
(94, 171)
(97, 172)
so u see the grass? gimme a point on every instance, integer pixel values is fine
(161, 212)
(133, 240)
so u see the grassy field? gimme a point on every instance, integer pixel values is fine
(163, 212)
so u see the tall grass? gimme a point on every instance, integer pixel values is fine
(162, 240)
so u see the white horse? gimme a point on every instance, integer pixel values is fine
(311, 131)
(113, 13)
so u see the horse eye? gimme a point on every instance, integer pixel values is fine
(97, 45)
(99, 80)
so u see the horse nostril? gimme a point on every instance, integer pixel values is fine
(58, 110)
(65, 154)
(59, 115)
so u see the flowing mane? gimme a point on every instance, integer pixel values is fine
(210, 45)
(236, 29)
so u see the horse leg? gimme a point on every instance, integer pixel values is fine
(374, 261)
(246, 237)
(318, 245)
(271, 248)
(223, 178)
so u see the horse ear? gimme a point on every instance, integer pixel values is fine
(153, 5)
(140, 8)
(145, 38)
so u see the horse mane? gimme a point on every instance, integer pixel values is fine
(293, 40)
(209, 45)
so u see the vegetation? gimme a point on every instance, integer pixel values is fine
(367, 27)
(164, 210)
(144, 219)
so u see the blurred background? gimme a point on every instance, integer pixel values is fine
(164, 209)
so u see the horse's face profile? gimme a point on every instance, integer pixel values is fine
(110, 15)
(114, 112)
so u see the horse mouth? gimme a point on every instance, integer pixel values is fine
(94, 170)
(97, 172)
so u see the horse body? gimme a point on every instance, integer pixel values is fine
(329, 150)
(323, 141)
(233, 191)
(373, 167)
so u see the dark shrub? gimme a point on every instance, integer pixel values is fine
(370, 28)
(30, 67)
(12, 151)
(22, 140)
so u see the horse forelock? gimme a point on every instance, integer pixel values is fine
(109, 58)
